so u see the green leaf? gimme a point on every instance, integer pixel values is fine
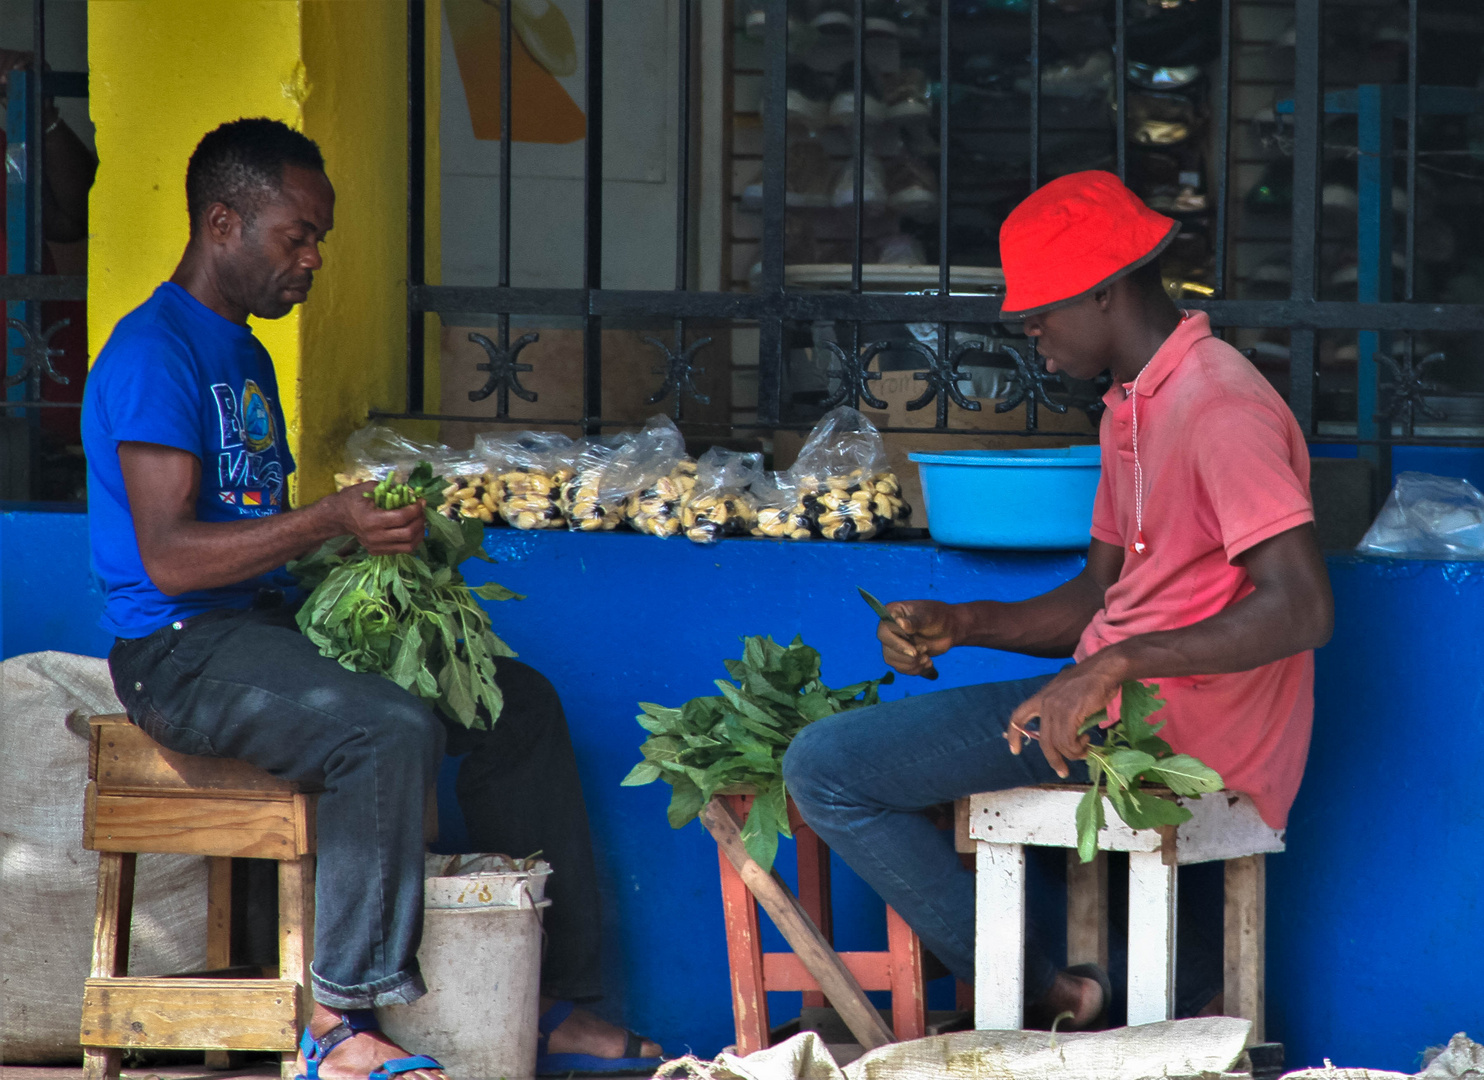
(1148, 811)
(1090, 819)
(1185, 775)
(760, 833)
(646, 772)
(1127, 764)
(409, 659)
(491, 590)
(685, 803)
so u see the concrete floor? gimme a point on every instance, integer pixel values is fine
(157, 1072)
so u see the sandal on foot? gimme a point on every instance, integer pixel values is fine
(560, 1064)
(352, 1023)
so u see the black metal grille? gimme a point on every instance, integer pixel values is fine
(776, 307)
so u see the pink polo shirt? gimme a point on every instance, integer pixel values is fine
(1225, 467)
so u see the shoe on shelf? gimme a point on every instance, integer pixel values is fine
(842, 105)
(809, 95)
(836, 18)
(1087, 77)
(1162, 78)
(905, 95)
(911, 188)
(873, 185)
(901, 249)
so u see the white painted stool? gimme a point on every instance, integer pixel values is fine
(1224, 825)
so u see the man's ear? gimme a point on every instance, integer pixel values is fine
(1103, 298)
(221, 222)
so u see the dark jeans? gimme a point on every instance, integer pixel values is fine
(861, 779)
(248, 685)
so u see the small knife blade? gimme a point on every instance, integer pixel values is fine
(885, 616)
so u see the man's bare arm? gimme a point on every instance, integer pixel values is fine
(1045, 625)
(182, 554)
(1289, 611)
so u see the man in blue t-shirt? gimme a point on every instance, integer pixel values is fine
(190, 529)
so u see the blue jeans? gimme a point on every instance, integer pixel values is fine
(862, 778)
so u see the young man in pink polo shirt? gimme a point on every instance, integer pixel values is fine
(1203, 575)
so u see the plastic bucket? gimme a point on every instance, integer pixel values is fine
(1039, 499)
(481, 959)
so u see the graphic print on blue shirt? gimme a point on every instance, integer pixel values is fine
(175, 373)
(248, 475)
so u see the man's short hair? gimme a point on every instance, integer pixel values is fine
(240, 165)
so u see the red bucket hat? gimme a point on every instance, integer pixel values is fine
(1074, 236)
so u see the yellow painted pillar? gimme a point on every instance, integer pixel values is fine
(165, 72)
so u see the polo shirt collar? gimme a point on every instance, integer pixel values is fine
(1195, 326)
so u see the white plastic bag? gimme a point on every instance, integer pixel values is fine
(530, 467)
(1429, 517)
(845, 486)
(582, 502)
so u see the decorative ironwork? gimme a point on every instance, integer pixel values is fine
(35, 353)
(504, 371)
(1028, 385)
(1409, 389)
(854, 376)
(944, 377)
(679, 371)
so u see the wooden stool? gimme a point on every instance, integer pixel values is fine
(144, 798)
(754, 972)
(1224, 826)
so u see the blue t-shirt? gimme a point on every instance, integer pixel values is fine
(176, 373)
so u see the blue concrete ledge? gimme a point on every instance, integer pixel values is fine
(1373, 912)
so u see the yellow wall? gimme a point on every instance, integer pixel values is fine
(163, 73)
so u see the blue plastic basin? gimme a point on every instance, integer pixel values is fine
(1039, 499)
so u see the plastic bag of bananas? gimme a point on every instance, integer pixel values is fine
(580, 501)
(530, 468)
(856, 506)
(472, 490)
(374, 452)
(720, 503)
(844, 484)
(779, 512)
(649, 477)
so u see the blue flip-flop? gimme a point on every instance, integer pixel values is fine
(353, 1022)
(561, 1064)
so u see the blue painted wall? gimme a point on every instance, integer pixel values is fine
(1373, 913)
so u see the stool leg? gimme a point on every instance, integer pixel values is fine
(999, 936)
(296, 936)
(1087, 910)
(908, 996)
(745, 958)
(1151, 938)
(218, 935)
(814, 893)
(1246, 940)
(110, 948)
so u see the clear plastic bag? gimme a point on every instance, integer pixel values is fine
(845, 485)
(1426, 516)
(720, 504)
(581, 501)
(780, 514)
(651, 477)
(374, 451)
(529, 468)
(472, 490)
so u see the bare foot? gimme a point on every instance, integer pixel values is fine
(584, 1033)
(358, 1055)
(1083, 998)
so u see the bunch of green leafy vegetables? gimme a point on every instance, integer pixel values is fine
(411, 618)
(712, 744)
(1131, 755)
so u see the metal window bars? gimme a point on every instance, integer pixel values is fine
(775, 306)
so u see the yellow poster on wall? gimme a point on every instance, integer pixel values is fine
(542, 48)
